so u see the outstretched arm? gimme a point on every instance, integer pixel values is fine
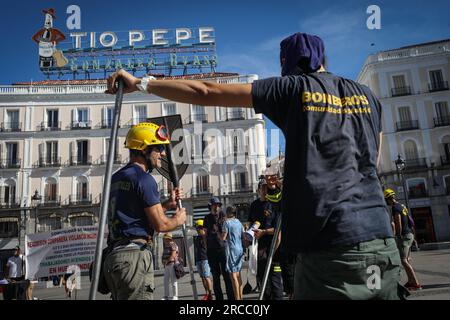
(189, 91)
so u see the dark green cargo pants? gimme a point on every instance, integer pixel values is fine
(369, 270)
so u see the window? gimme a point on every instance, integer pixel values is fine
(240, 179)
(404, 114)
(399, 81)
(50, 190)
(82, 115)
(11, 154)
(141, 113)
(108, 120)
(80, 221)
(169, 109)
(51, 156)
(9, 193)
(441, 109)
(9, 229)
(411, 152)
(197, 145)
(82, 189)
(198, 113)
(82, 152)
(52, 119)
(436, 77)
(202, 183)
(417, 188)
(447, 184)
(49, 224)
(12, 120)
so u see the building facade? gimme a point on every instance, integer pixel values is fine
(54, 143)
(412, 84)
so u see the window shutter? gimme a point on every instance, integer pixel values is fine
(42, 159)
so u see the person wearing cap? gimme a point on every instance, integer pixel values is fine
(216, 248)
(201, 259)
(404, 235)
(169, 258)
(135, 213)
(334, 214)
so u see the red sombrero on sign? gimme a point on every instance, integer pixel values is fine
(50, 11)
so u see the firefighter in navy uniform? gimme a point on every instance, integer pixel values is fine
(334, 214)
(266, 212)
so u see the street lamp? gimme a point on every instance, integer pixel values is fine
(35, 198)
(400, 163)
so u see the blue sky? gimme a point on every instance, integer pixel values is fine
(247, 32)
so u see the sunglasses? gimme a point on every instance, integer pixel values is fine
(162, 133)
(160, 148)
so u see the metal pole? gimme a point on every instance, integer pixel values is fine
(175, 181)
(269, 258)
(35, 218)
(405, 191)
(106, 190)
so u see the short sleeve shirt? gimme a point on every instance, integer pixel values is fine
(213, 224)
(400, 209)
(132, 190)
(331, 193)
(15, 265)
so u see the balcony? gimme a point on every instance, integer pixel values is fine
(407, 125)
(401, 91)
(445, 160)
(104, 158)
(240, 188)
(11, 126)
(441, 121)
(55, 126)
(10, 163)
(76, 125)
(416, 163)
(417, 193)
(49, 162)
(236, 115)
(9, 203)
(438, 86)
(78, 199)
(106, 124)
(81, 161)
(196, 117)
(52, 201)
(201, 192)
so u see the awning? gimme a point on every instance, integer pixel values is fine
(8, 243)
(9, 219)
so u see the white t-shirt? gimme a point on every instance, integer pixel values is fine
(15, 265)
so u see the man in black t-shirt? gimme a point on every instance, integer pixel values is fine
(216, 251)
(404, 235)
(334, 214)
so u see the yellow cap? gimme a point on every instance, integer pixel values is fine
(199, 223)
(146, 134)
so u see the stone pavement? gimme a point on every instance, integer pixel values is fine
(432, 267)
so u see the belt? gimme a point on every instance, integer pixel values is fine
(141, 243)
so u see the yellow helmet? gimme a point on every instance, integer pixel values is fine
(146, 134)
(199, 223)
(389, 193)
